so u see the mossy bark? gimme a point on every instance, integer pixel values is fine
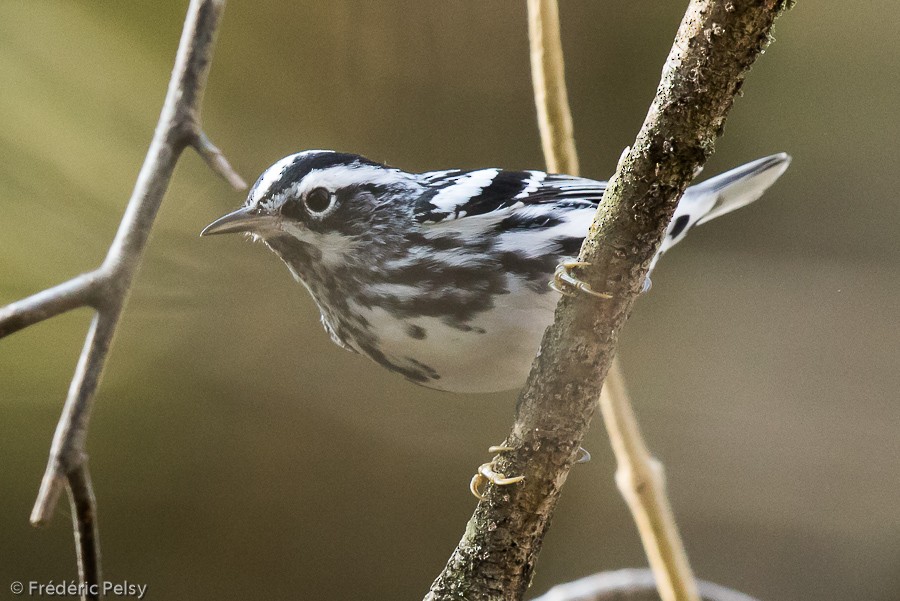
(715, 45)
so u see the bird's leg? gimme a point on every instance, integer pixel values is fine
(565, 282)
(487, 474)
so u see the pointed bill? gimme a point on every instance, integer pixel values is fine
(245, 219)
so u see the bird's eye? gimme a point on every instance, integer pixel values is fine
(318, 200)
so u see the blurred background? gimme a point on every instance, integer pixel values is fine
(237, 453)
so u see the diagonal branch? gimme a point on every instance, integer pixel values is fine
(106, 289)
(639, 475)
(716, 43)
(640, 478)
(84, 517)
(81, 291)
(67, 453)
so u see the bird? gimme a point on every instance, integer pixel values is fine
(442, 276)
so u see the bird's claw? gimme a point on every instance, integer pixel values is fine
(565, 282)
(584, 455)
(499, 448)
(486, 473)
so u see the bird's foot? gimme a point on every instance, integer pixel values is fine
(486, 473)
(565, 282)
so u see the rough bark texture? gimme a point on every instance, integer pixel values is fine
(639, 476)
(715, 45)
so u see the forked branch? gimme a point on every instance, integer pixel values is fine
(106, 288)
(716, 43)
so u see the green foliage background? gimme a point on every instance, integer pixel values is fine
(238, 454)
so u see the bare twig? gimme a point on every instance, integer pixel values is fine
(67, 449)
(217, 161)
(78, 292)
(87, 535)
(106, 288)
(629, 585)
(550, 96)
(639, 475)
(640, 478)
(715, 45)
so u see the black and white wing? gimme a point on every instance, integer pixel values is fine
(530, 212)
(534, 213)
(494, 194)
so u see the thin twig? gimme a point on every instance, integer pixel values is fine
(639, 475)
(78, 292)
(551, 98)
(106, 289)
(67, 449)
(640, 478)
(715, 45)
(87, 535)
(216, 160)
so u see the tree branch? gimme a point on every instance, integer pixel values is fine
(87, 535)
(549, 82)
(67, 449)
(106, 289)
(640, 478)
(716, 43)
(639, 475)
(77, 292)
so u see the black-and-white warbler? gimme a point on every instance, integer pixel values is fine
(442, 276)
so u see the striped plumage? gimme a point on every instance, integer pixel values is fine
(442, 276)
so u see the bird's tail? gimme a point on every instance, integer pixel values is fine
(722, 194)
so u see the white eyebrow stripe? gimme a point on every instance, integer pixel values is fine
(270, 176)
(344, 176)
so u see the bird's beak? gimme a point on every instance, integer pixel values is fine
(245, 219)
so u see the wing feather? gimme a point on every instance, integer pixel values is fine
(493, 195)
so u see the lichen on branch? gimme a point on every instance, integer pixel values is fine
(715, 45)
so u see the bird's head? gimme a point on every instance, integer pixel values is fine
(317, 195)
